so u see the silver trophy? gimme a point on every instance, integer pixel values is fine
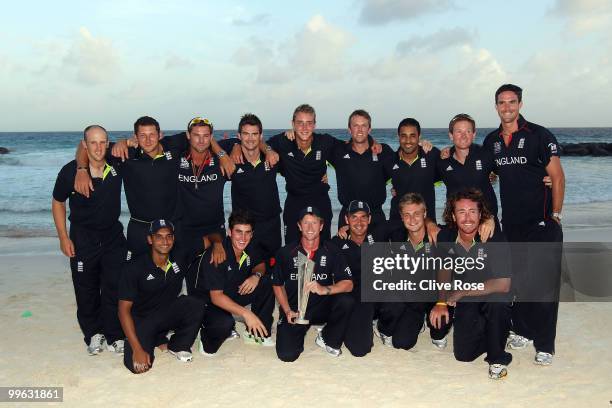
(305, 272)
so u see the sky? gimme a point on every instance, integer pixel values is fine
(66, 64)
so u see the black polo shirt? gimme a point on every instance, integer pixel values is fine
(102, 209)
(418, 177)
(230, 274)
(254, 189)
(150, 184)
(495, 256)
(474, 173)
(330, 267)
(149, 287)
(352, 251)
(361, 176)
(521, 166)
(303, 172)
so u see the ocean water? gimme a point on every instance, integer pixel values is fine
(28, 172)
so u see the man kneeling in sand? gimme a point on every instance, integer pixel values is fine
(150, 305)
(330, 300)
(478, 292)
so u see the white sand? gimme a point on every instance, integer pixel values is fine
(46, 349)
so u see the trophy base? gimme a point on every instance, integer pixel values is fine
(302, 321)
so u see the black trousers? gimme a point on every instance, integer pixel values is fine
(404, 321)
(334, 310)
(218, 323)
(295, 204)
(536, 273)
(189, 240)
(96, 269)
(482, 327)
(137, 232)
(359, 336)
(183, 316)
(378, 217)
(267, 237)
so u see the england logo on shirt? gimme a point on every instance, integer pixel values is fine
(113, 171)
(423, 163)
(478, 165)
(370, 239)
(168, 155)
(323, 260)
(318, 155)
(521, 143)
(553, 148)
(374, 157)
(184, 163)
(175, 267)
(212, 162)
(266, 166)
(295, 263)
(80, 266)
(496, 147)
(427, 247)
(481, 253)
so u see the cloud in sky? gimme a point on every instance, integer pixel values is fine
(444, 38)
(379, 12)
(94, 59)
(248, 21)
(316, 51)
(584, 16)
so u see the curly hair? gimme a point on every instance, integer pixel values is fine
(471, 194)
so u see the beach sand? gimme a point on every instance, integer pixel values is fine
(46, 349)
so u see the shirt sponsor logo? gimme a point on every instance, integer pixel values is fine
(427, 247)
(168, 155)
(478, 165)
(370, 239)
(346, 156)
(423, 163)
(521, 143)
(345, 246)
(212, 162)
(175, 267)
(239, 171)
(80, 266)
(403, 247)
(128, 255)
(184, 163)
(481, 253)
(323, 260)
(348, 271)
(113, 171)
(497, 147)
(553, 148)
(503, 161)
(295, 264)
(290, 154)
(318, 155)
(150, 277)
(374, 157)
(193, 179)
(395, 167)
(449, 168)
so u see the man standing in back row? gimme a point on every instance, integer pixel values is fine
(524, 153)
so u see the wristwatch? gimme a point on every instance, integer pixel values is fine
(557, 215)
(258, 274)
(268, 148)
(221, 154)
